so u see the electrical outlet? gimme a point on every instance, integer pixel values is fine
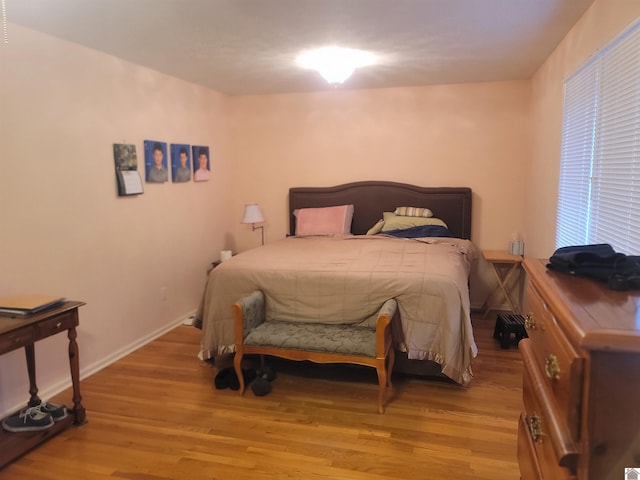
(163, 294)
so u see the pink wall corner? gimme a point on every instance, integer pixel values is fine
(600, 24)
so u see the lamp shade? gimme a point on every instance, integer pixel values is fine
(252, 213)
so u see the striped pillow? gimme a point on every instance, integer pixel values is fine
(397, 222)
(413, 212)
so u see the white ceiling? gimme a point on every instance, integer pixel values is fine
(249, 46)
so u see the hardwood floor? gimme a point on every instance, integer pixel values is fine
(155, 415)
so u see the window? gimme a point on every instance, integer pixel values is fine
(599, 189)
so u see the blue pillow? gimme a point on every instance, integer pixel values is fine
(420, 231)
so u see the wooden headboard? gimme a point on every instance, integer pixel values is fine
(371, 198)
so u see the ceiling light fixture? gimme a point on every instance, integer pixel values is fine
(335, 64)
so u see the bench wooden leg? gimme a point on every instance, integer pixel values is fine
(381, 368)
(237, 366)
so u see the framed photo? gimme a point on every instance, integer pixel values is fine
(125, 156)
(201, 163)
(127, 176)
(155, 161)
(180, 163)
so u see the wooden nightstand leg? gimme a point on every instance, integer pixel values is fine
(79, 414)
(488, 303)
(504, 285)
(29, 351)
(503, 278)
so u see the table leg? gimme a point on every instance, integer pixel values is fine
(29, 351)
(79, 414)
(504, 285)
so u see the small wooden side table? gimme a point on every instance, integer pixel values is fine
(506, 267)
(17, 332)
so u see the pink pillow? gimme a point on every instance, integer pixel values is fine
(324, 221)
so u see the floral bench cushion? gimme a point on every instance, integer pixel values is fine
(315, 337)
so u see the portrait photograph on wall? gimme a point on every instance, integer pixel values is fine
(180, 163)
(155, 161)
(201, 164)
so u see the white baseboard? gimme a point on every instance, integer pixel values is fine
(476, 307)
(95, 367)
(123, 352)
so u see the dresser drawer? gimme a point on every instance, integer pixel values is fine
(555, 450)
(530, 468)
(527, 457)
(555, 357)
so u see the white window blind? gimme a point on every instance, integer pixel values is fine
(599, 190)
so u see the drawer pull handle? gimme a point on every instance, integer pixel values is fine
(58, 325)
(552, 367)
(529, 321)
(535, 427)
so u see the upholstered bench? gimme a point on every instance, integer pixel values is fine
(317, 342)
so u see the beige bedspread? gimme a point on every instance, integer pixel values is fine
(346, 279)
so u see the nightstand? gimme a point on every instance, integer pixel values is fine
(506, 268)
(213, 265)
(216, 264)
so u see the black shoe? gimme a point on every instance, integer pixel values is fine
(57, 412)
(28, 420)
(223, 378)
(267, 373)
(261, 387)
(234, 383)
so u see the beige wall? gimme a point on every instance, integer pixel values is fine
(65, 231)
(599, 25)
(474, 135)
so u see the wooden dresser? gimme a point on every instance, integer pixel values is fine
(581, 381)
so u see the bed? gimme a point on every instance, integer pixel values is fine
(345, 278)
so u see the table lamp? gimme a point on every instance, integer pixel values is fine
(253, 215)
